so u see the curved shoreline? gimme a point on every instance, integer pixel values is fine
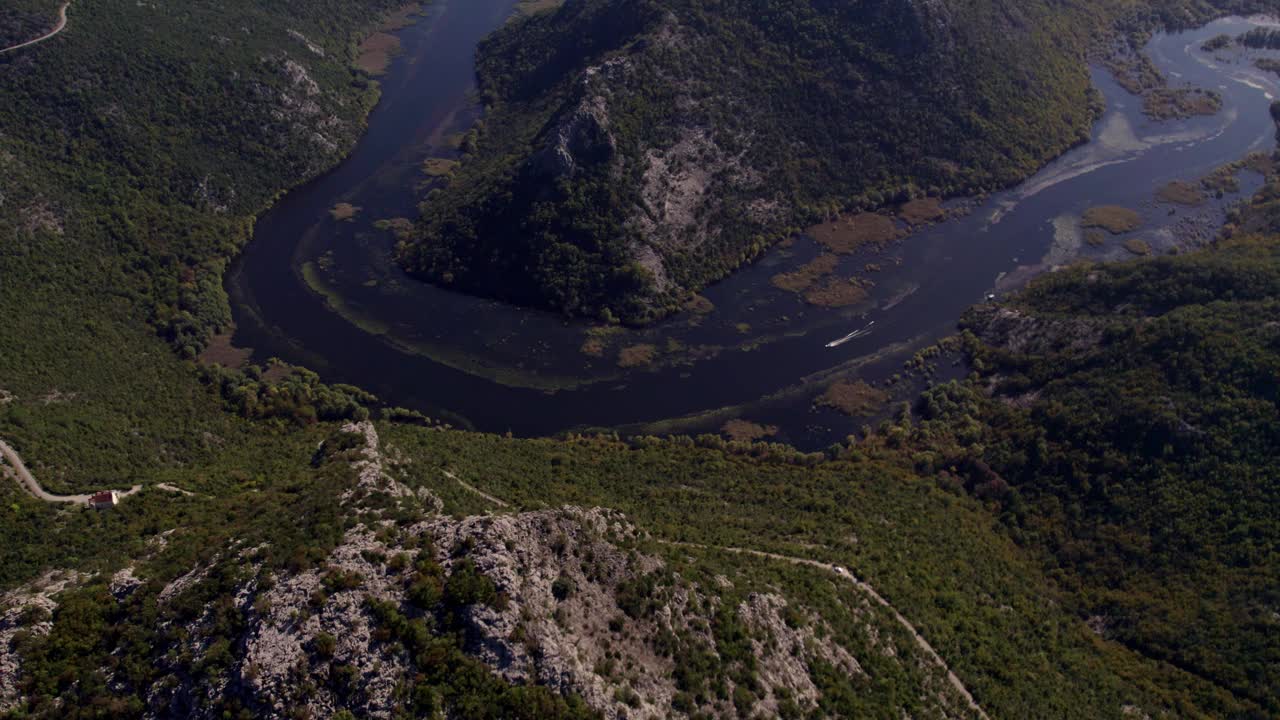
(497, 368)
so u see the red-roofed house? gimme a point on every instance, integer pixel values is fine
(104, 500)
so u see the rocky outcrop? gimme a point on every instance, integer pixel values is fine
(1015, 331)
(315, 49)
(637, 151)
(560, 571)
(582, 136)
(28, 610)
(572, 599)
(786, 665)
(315, 624)
(373, 471)
(302, 112)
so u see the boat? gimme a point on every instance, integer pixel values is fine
(851, 336)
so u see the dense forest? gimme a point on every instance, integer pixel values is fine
(1268, 38)
(1132, 432)
(25, 20)
(1082, 528)
(611, 176)
(635, 150)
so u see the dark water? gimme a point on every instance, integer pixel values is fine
(326, 294)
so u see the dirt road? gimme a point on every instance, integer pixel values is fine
(62, 24)
(837, 570)
(473, 489)
(871, 592)
(19, 471)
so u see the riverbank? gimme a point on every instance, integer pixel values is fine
(494, 367)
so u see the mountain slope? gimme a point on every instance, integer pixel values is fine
(1130, 434)
(636, 149)
(394, 589)
(314, 570)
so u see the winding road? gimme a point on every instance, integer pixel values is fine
(864, 587)
(16, 468)
(477, 491)
(837, 570)
(62, 25)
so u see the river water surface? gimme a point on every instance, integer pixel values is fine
(325, 293)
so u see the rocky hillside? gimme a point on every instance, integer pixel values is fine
(637, 149)
(1082, 528)
(567, 612)
(363, 578)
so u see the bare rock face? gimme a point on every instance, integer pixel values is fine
(315, 49)
(570, 601)
(560, 571)
(582, 137)
(312, 623)
(1017, 332)
(308, 642)
(785, 666)
(578, 609)
(124, 582)
(564, 624)
(28, 609)
(374, 471)
(302, 112)
(695, 165)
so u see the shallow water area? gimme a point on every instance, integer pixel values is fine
(320, 289)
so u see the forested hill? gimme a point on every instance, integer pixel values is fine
(636, 149)
(24, 20)
(1082, 528)
(1126, 420)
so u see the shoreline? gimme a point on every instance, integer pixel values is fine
(529, 350)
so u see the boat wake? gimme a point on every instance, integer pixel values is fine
(852, 336)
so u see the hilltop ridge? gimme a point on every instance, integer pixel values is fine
(634, 151)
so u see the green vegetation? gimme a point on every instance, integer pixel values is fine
(854, 398)
(1267, 64)
(1097, 533)
(1142, 467)
(1217, 42)
(125, 193)
(634, 152)
(24, 20)
(1158, 512)
(157, 213)
(1261, 37)
(1137, 246)
(547, 206)
(1181, 193)
(1112, 218)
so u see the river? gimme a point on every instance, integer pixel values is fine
(325, 293)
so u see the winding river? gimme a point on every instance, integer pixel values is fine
(324, 292)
